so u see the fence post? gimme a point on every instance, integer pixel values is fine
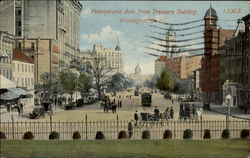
(13, 131)
(174, 130)
(86, 126)
(201, 126)
(50, 120)
(117, 125)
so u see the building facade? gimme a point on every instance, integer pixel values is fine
(58, 20)
(6, 53)
(160, 65)
(214, 37)
(112, 58)
(183, 66)
(23, 74)
(45, 53)
(235, 64)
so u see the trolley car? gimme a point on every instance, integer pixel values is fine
(146, 99)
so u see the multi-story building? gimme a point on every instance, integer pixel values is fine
(6, 49)
(214, 38)
(45, 53)
(23, 74)
(160, 65)
(58, 20)
(183, 66)
(112, 58)
(235, 64)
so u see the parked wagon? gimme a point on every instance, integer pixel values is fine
(187, 111)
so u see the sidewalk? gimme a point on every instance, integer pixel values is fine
(234, 111)
(6, 116)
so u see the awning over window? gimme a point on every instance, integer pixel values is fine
(14, 93)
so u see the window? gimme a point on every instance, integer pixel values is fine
(19, 12)
(19, 23)
(19, 34)
(18, 45)
(32, 45)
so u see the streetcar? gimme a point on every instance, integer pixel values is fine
(146, 99)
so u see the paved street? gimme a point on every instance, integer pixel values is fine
(129, 106)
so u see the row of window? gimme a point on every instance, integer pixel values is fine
(7, 73)
(24, 82)
(23, 68)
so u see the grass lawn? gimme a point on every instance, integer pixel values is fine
(232, 148)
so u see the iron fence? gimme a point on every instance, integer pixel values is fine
(110, 128)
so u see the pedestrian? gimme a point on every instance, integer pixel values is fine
(172, 101)
(171, 112)
(156, 111)
(21, 109)
(130, 130)
(136, 118)
(18, 110)
(120, 104)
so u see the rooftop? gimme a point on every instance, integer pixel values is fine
(20, 56)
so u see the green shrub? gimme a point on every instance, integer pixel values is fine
(244, 133)
(2, 135)
(207, 134)
(225, 134)
(145, 134)
(99, 135)
(167, 134)
(188, 134)
(28, 135)
(54, 135)
(76, 135)
(122, 135)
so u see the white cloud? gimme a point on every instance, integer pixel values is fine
(106, 35)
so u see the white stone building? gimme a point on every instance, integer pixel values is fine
(6, 49)
(112, 58)
(23, 75)
(160, 65)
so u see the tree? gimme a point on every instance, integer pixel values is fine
(84, 83)
(166, 81)
(69, 81)
(119, 82)
(151, 83)
(100, 74)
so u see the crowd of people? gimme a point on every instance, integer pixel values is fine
(111, 105)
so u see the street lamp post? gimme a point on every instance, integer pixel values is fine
(228, 97)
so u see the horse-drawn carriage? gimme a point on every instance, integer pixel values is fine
(188, 111)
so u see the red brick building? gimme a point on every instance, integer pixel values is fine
(214, 38)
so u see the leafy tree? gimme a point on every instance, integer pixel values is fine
(100, 74)
(69, 81)
(84, 83)
(166, 81)
(119, 82)
(151, 83)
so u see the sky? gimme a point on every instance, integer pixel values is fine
(103, 22)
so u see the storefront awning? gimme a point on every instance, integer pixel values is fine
(14, 93)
